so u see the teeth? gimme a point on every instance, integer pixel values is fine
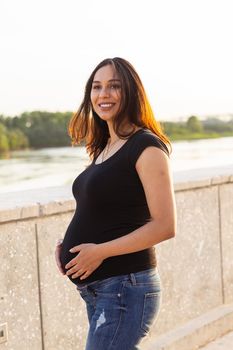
(106, 105)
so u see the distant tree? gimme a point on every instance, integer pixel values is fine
(4, 144)
(172, 128)
(2, 119)
(44, 129)
(217, 125)
(17, 139)
(230, 124)
(194, 124)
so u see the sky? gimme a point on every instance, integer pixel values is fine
(182, 50)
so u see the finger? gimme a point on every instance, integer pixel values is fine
(74, 269)
(85, 275)
(59, 242)
(57, 253)
(57, 260)
(77, 274)
(76, 249)
(71, 263)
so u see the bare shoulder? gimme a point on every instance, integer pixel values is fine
(153, 159)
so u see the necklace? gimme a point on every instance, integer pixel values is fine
(108, 148)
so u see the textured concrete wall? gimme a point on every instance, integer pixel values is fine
(43, 309)
(190, 263)
(226, 222)
(19, 292)
(64, 316)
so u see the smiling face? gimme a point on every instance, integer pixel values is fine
(106, 93)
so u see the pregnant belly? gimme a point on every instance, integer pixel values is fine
(75, 235)
(66, 256)
(71, 239)
(80, 231)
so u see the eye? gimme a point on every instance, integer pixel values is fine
(96, 87)
(115, 86)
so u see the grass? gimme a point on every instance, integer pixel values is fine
(198, 136)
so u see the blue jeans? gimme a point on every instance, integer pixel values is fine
(121, 309)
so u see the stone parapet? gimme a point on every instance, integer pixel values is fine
(196, 333)
(42, 308)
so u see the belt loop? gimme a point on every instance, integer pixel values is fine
(132, 279)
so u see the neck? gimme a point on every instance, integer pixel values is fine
(126, 127)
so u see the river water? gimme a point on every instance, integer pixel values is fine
(50, 167)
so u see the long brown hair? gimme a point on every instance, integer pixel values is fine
(86, 125)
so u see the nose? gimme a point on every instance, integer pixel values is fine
(104, 92)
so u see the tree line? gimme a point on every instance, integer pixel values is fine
(194, 128)
(40, 129)
(34, 130)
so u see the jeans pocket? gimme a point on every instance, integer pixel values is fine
(150, 309)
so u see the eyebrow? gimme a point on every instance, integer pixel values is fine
(111, 80)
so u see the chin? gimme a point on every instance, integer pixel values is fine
(106, 117)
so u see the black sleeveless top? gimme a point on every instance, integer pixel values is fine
(110, 203)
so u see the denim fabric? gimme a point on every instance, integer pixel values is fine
(121, 309)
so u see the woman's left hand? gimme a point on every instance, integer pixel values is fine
(89, 257)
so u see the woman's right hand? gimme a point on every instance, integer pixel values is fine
(58, 254)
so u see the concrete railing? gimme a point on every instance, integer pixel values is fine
(41, 308)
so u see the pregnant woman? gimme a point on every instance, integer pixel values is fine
(125, 206)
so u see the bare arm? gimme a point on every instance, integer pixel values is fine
(154, 172)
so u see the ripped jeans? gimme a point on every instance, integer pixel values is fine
(121, 309)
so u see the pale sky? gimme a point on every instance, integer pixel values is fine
(182, 50)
